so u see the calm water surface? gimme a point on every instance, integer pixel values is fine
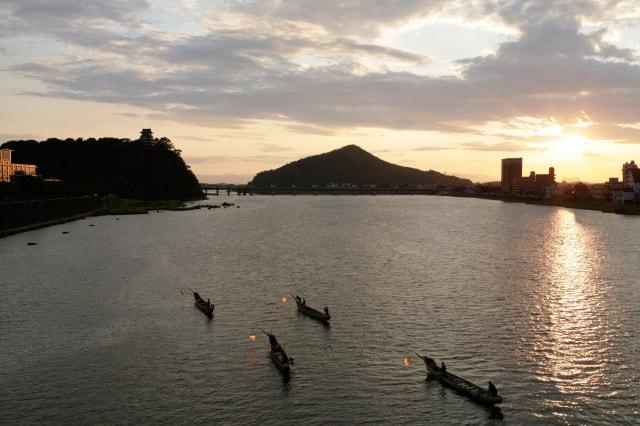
(97, 326)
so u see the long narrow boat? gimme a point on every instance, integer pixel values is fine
(323, 317)
(460, 385)
(279, 356)
(204, 305)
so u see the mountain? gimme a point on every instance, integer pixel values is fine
(351, 164)
(142, 169)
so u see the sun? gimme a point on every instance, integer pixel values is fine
(567, 147)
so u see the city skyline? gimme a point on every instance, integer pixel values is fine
(243, 86)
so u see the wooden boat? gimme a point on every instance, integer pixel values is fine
(204, 305)
(323, 317)
(460, 385)
(279, 356)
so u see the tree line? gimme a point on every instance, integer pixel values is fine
(130, 169)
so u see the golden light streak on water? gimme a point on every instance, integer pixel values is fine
(572, 330)
(406, 361)
(252, 338)
(285, 299)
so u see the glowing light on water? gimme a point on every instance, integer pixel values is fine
(252, 337)
(574, 307)
(285, 299)
(406, 361)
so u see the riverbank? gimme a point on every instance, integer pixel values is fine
(26, 216)
(124, 206)
(630, 209)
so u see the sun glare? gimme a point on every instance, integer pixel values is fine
(567, 147)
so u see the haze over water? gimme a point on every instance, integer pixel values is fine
(98, 326)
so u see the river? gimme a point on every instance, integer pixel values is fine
(98, 325)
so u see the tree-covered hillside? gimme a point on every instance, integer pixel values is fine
(351, 164)
(150, 169)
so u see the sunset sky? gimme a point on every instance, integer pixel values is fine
(243, 86)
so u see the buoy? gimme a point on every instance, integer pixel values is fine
(31, 244)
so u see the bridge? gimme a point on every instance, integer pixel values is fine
(342, 190)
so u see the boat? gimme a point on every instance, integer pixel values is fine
(460, 385)
(323, 317)
(204, 305)
(279, 356)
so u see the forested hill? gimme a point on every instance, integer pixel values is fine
(150, 169)
(351, 164)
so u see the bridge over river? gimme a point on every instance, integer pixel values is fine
(344, 190)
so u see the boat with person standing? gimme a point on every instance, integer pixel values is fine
(323, 317)
(279, 356)
(204, 305)
(486, 396)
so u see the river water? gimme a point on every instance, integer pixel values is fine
(98, 325)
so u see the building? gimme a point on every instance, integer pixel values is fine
(598, 191)
(146, 135)
(9, 169)
(511, 174)
(539, 184)
(628, 170)
(631, 179)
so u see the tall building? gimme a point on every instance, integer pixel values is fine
(628, 171)
(9, 169)
(511, 174)
(631, 179)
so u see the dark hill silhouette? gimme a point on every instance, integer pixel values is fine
(351, 164)
(142, 169)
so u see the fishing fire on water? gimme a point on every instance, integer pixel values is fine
(252, 337)
(406, 361)
(285, 299)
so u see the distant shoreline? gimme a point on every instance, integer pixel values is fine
(631, 210)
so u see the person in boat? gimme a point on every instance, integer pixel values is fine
(304, 302)
(431, 362)
(492, 391)
(326, 310)
(195, 293)
(209, 303)
(272, 340)
(443, 368)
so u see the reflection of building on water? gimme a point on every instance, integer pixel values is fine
(9, 169)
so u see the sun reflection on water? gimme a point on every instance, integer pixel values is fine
(570, 333)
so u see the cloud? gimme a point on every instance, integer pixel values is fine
(213, 159)
(196, 138)
(318, 67)
(271, 147)
(433, 148)
(500, 147)
(614, 132)
(359, 17)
